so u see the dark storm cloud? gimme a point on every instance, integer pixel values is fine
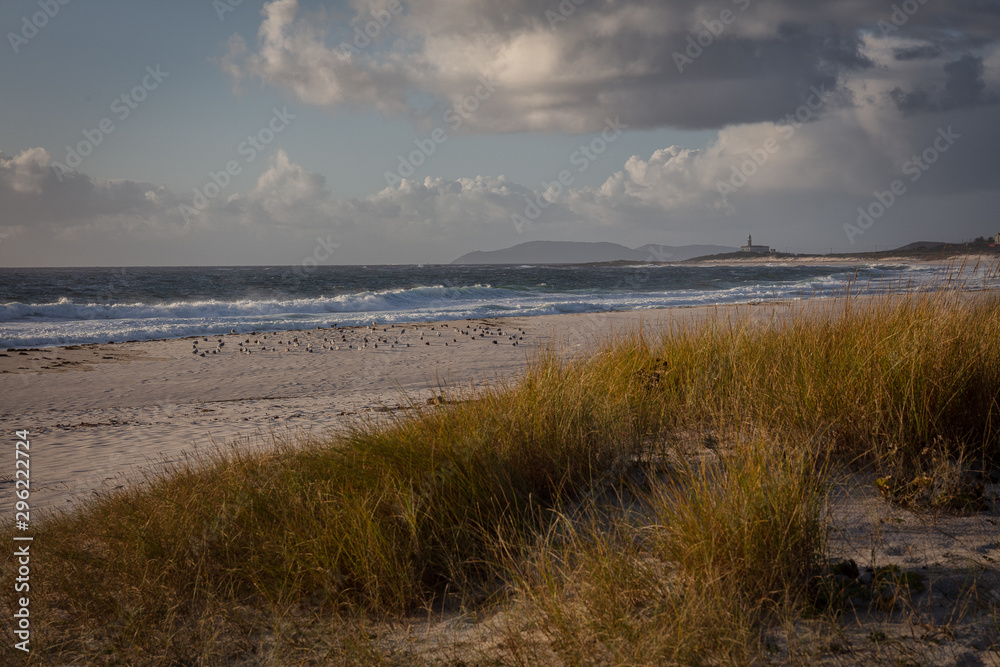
(964, 86)
(564, 66)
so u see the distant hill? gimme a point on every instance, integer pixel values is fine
(923, 245)
(579, 252)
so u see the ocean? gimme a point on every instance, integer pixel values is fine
(52, 306)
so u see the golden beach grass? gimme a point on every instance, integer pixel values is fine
(514, 496)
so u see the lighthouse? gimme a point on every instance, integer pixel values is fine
(759, 249)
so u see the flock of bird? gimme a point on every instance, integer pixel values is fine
(356, 338)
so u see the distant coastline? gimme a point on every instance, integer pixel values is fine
(920, 251)
(582, 252)
(579, 252)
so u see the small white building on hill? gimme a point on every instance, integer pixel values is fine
(750, 247)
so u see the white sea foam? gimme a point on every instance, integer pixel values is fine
(64, 321)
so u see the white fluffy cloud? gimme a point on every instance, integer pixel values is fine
(26, 172)
(32, 194)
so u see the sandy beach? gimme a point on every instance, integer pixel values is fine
(97, 412)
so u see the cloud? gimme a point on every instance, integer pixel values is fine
(294, 55)
(32, 194)
(804, 176)
(26, 172)
(288, 193)
(963, 86)
(35, 196)
(919, 52)
(566, 66)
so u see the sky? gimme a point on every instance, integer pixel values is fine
(242, 132)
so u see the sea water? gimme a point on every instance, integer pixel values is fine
(53, 306)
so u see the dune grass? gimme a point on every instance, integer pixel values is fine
(463, 503)
(883, 380)
(726, 551)
(385, 520)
